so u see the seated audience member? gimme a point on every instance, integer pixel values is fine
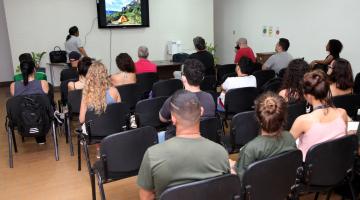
(126, 73)
(325, 122)
(143, 65)
(281, 59)
(341, 77)
(191, 77)
(29, 85)
(38, 75)
(97, 92)
(205, 57)
(242, 49)
(334, 48)
(244, 79)
(291, 89)
(182, 159)
(72, 72)
(271, 112)
(83, 68)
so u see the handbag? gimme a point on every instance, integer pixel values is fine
(58, 55)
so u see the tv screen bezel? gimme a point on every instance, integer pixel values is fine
(101, 14)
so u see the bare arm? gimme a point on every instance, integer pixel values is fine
(12, 88)
(83, 109)
(146, 194)
(45, 86)
(71, 86)
(82, 51)
(297, 128)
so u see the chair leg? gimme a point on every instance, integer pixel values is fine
(10, 141)
(56, 146)
(316, 196)
(101, 188)
(66, 125)
(328, 195)
(353, 195)
(79, 153)
(93, 189)
(68, 136)
(86, 155)
(14, 140)
(22, 139)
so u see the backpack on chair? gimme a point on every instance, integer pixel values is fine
(32, 119)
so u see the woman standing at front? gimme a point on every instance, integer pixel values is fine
(73, 42)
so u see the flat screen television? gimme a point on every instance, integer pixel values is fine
(123, 13)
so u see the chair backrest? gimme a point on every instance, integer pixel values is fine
(263, 76)
(129, 94)
(281, 73)
(272, 85)
(123, 152)
(147, 111)
(222, 70)
(244, 128)
(113, 120)
(209, 128)
(240, 99)
(294, 111)
(328, 163)
(351, 103)
(208, 83)
(74, 101)
(357, 84)
(166, 87)
(272, 178)
(146, 81)
(180, 57)
(221, 187)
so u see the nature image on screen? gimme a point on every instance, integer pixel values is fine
(123, 12)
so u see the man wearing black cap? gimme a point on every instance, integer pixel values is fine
(71, 73)
(182, 159)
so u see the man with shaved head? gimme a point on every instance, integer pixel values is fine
(182, 159)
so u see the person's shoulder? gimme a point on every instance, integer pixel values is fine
(213, 147)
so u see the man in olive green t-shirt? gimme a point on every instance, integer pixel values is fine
(185, 158)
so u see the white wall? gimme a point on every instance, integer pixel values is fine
(308, 24)
(5, 56)
(39, 25)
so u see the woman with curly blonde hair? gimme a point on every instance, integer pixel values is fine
(97, 92)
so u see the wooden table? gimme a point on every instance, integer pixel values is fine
(263, 56)
(166, 68)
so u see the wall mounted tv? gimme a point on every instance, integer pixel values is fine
(123, 13)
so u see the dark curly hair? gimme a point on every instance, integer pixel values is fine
(125, 63)
(335, 47)
(293, 78)
(342, 74)
(193, 71)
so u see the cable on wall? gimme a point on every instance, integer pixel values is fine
(110, 50)
(91, 29)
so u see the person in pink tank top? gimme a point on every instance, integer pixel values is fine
(325, 122)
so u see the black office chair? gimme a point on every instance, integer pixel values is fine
(244, 128)
(208, 83)
(351, 103)
(211, 129)
(239, 100)
(180, 57)
(327, 165)
(121, 156)
(147, 112)
(271, 178)
(14, 121)
(130, 94)
(263, 76)
(357, 84)
(221, 187)
(114, 120)
(73, 103)
(145, 82)
(166, 87)
(221, 70)
(294, 111)
(282, 72)
(272, 85)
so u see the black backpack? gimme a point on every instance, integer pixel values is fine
(33, 117)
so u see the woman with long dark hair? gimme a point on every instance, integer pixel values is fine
(73, 42)
(334, 48)
(126, 74)
(341, 77)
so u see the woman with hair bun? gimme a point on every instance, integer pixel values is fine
(271, 112)
(325, 122)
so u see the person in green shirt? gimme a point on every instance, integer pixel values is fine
(182, 159)
(271, 111)
(38, 75)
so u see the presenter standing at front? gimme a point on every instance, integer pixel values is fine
(73, 42)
